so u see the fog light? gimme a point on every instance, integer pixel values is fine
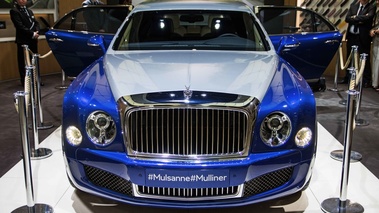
(73, 135)
(303, 137)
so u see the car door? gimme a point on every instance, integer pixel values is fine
(318, 38)
(68, 37)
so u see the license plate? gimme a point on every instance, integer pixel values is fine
(187, 178)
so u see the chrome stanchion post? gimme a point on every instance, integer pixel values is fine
(30, 207)
(342, 204)
(43, 125)
(336, 71)
(63, 85)
(359, 121)
(20, 102)
(339, 154)
(352, 65)
(37, 153)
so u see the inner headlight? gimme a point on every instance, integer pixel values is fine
(275, 129)
(100, 128)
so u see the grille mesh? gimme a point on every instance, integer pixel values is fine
(108, 180)
(267, 182)
(187, 193)
(255, 186)
(187, 131)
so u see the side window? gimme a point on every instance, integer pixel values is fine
(79, 23)
(286, 21)
(291, 20)
(65, 22)
(305, 20)
(96, 20)
(322, 25)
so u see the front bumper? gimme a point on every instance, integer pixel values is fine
(257, 178)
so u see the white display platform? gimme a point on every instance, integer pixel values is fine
(51, 186)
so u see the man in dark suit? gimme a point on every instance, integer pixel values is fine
(359, 18)
(27, 32)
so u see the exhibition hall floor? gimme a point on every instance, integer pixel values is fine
(51, 186)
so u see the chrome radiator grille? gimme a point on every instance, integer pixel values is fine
(188, 132)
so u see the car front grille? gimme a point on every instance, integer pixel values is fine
(108, 180)
(189, 132)
(252, 187)
(267, 182)
(188, 194)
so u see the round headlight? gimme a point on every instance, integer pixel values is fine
(74, 136)
(101, 128)
(303, 137)
(275, 129)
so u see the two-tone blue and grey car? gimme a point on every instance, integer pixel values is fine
(190, 105)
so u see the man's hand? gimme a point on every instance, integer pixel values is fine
(35, 35)
(373, 32)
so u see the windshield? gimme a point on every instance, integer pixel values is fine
(188, 30)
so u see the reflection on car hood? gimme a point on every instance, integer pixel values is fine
(244, 73)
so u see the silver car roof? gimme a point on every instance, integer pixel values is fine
(227, 5)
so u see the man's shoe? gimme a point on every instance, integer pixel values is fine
(344, 81)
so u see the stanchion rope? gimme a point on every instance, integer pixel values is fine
(43, 56)
(342, 66)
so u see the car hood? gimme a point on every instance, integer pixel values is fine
(243, 73)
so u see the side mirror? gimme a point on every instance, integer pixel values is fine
(97, 41)
(287, 43)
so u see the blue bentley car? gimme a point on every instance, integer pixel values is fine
(318, 40)
(190, 105)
